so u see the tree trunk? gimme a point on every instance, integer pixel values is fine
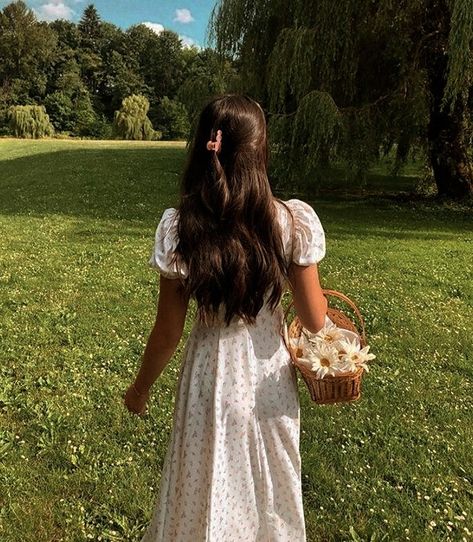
(448, 154)
(447, 138)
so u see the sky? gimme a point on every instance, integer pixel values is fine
(189, 18)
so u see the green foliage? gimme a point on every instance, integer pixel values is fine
(100, 128)
(60, 110)
(207, 75)
(307, 137)
(384, 66)
(319, 117)
(132, 122)
(172, 119)
(460, 58)
(293, 54)
(94, 65)
(85, 116)
(163, 63)
(26, 52)
(66, 74)
(90, 28)
(29, 121)
(120, 78)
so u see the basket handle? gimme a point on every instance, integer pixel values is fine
(347, 300)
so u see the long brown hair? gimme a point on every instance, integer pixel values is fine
(228, 232)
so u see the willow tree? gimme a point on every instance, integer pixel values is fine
(132, 121)
(353, 79)
(29, 121)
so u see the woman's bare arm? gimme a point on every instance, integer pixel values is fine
(309, 301)
(165, 335)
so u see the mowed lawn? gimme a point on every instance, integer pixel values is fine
(77, 300)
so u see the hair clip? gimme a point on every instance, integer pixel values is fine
(215, 145)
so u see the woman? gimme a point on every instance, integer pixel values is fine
(232, 471)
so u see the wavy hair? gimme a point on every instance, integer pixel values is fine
(228, 232)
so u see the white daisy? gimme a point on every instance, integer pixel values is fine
(324, 359)
(330, 333)
(353, 356)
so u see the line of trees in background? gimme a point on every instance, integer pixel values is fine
(89, 79)
(343, 83)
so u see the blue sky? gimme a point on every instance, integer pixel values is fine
(188, 18)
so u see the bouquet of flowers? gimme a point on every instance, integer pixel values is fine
(331, 351)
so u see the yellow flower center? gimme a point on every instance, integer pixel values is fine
(325, 362)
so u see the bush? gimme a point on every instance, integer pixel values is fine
(29, 121)
(132, 122)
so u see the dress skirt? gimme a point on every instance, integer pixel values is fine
(232, 470)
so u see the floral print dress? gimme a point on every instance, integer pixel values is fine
(232, 471)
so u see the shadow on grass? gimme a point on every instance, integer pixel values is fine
(136, 184)
(129, 184)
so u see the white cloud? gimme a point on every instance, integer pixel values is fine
(155, 27)
(183, 16)
(55, 9)
(188, 42)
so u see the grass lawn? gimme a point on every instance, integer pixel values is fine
(77, 301)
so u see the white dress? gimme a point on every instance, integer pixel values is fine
(232, 471)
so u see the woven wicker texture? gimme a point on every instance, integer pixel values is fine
(331, 389)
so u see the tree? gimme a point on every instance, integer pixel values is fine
(353, 79)
(86, 121)
(68, 36)
(90, 28)
(121, 75)
(172, 119)
(60, 110)
(163, 63)
(90, 60)
(138, 38)
(26, 51)
(131, 122)
(29, 121)
(206, 75)
(64, 73)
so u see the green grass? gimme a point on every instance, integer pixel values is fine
(77, 301)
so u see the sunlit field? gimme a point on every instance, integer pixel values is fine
(77, 300)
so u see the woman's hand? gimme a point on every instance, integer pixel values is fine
(135, 401)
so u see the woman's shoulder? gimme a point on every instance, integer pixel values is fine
(295, 204)
(297, 209)
(165, 243)
(169, 214)
(302, 231)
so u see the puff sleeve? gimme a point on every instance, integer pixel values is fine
(308, 241)
(165, 243)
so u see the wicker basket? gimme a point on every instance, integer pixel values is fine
(330, 389)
